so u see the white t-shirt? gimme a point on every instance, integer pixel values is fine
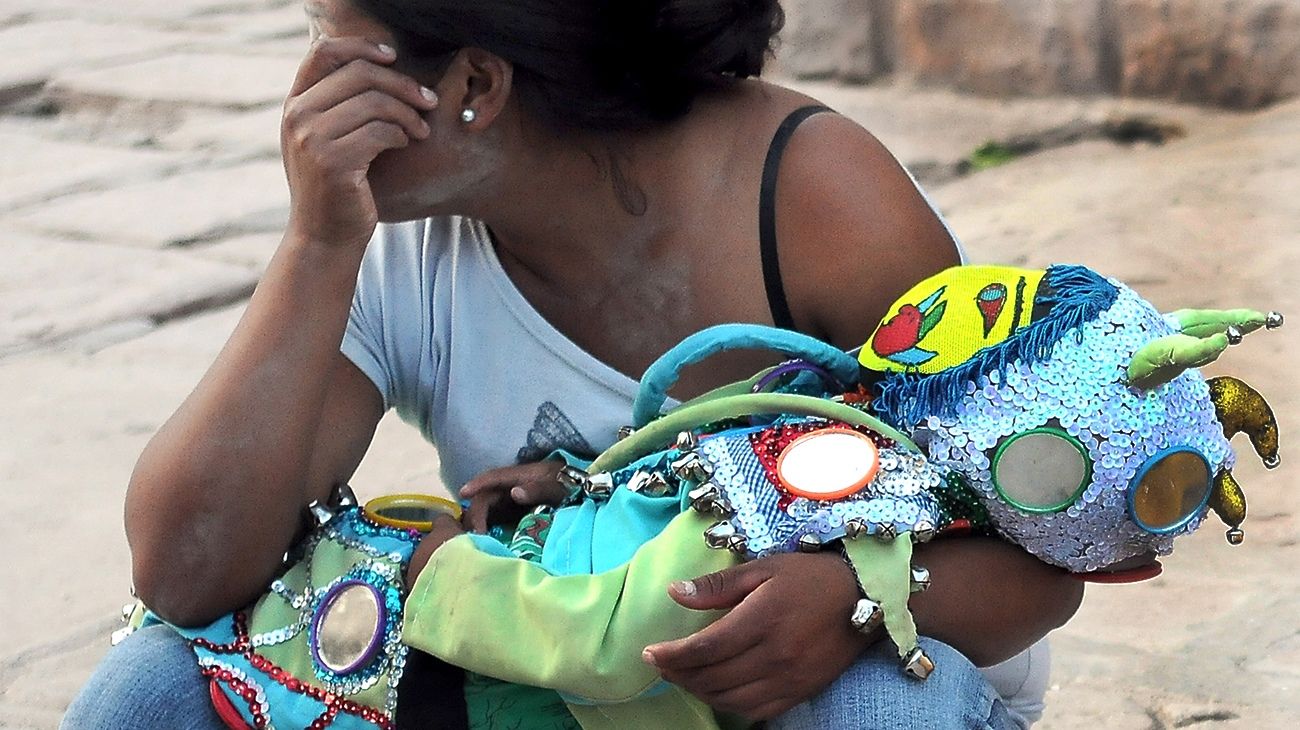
(449, 342)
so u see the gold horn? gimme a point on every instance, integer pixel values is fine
(1163, 359)
(1229, 503)
(1241, 409)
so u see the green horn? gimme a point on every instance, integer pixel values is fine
(1164, 359)
(1206, 322)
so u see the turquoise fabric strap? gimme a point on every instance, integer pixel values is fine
(688, 418)
(663, 373)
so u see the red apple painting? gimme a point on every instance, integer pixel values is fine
(897, 339)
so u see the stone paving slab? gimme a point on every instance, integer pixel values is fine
(51, 290)
(219, 80)
(170, 14)
(288, 21)
(203, 205)
(36, 51)
(928, 127)
(250, 134)
(35, 168)
(251, 252)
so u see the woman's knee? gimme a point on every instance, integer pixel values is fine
(874, 693)
(150, 680)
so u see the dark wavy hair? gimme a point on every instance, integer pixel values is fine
(594, 64)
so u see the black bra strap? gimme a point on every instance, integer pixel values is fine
(767, 217)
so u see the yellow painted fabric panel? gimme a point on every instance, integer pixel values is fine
(947, 318)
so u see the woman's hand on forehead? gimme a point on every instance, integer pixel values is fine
(346, 107)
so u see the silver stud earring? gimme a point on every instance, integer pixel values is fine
(468, 115)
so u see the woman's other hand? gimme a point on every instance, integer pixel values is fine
(786, 638)
(505, 494)
(345, 108)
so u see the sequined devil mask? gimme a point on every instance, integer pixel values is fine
(1073, 408)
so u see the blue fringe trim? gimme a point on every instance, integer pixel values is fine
(1078, 296)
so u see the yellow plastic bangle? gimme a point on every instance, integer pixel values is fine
(428, 503)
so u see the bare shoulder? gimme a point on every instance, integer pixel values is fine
(854, 232)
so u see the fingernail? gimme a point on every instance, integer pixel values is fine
(386, 49)
(684, 587)
(648, 657)
(429, 94)
(518, 494)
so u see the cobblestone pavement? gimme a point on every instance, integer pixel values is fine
(141, 195)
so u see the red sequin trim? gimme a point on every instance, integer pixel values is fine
(334, 704)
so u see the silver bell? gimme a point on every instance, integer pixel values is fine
(625, 432)
(320, 513)
(738, 544)
(600, 485)
(855, 528)
(1273, 320)
(638, 481)
(923, 531)
(704, 496)
(691, 467)
(867, 615)
(344, 497)
(1272, 462)
(651, 484)
(885, 531)
(917, 665)
(719, 535)
(722, 507)
(920, 579)
(1235, 536)
(686, 441)
(809, 543)
(657, 485)
(572, 477)
(1234, 335)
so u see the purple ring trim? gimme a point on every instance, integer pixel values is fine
(375, 640)
(795, 366)
(786, 368)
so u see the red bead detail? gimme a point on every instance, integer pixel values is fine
(770, 443)
(956, 528)
(248, 693)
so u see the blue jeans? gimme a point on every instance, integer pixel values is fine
(151, 680)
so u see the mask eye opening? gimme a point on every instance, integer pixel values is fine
(1135, 485)
(1018, 502)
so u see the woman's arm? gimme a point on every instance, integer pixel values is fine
(217, 496)
(854, 235)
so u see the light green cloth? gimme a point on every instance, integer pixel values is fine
(885, 571)
(579, 634)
